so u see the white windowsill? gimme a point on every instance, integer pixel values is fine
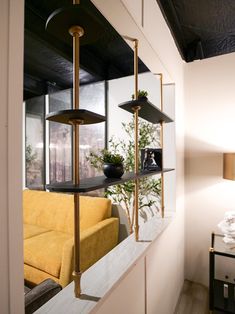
(100, 279)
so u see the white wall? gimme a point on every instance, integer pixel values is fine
(11, 91)
(210, 129)
(165, 261)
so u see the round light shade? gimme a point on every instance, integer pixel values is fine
(229, 166)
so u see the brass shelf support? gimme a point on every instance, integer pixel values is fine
(136, 114)
(136, 118)
(76, 31)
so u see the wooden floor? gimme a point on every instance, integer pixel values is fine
(193, 299)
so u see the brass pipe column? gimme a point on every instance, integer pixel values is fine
(136, 67)
(76, 32)
(136, 195)
(136, 116)
(136, 109)
(162, 146)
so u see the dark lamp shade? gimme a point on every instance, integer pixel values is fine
(229, 166)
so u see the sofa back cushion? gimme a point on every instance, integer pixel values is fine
(55, 211)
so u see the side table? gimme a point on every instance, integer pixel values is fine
(221, 293)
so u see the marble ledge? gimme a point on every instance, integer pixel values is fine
(100, 279)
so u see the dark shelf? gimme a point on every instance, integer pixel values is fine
(220, 303)
(95, 183)
(148, 111)
(65, 116)
(60, 21)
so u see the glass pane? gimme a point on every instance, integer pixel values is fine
(92, 137)
(34, 151)
(60, 139)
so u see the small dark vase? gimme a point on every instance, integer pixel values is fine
(142, 98)
(113, 170)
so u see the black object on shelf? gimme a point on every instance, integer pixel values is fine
(221, 293)
(60, 21)
(71, 115)
(113, 170)
(148, 111)
(151, 159)
(95, 183)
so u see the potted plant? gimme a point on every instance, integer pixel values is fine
(150, 187)
(112, 164)
(142, 95)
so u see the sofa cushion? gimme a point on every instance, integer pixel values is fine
(93, 210)
(33, 230)
(44, 251)
(34, 276)
(54, 211)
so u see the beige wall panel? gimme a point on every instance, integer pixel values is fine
(135, 7)
(210, 129)
(11, 91)
(4, 270)
(165, 273)
(129, 296)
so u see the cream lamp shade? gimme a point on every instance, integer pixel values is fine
(229, 166)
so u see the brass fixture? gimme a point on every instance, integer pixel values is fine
(63, 23)
(136, 109)
(76, 31)
(77, 269)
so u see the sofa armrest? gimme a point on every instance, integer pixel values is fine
(40, 294)
(96, 241)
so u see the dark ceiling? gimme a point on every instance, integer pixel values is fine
(201, 28)
(48, 60)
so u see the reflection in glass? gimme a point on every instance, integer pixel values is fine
(60, 139)
(92, 137)
(34, 148)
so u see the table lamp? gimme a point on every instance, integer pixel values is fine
(229, 166)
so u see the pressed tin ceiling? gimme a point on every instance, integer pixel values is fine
(48, 60)
(201, 28)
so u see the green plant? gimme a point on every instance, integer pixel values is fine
(104, 156)
(141, 93)
(149, 187)
(110, 158)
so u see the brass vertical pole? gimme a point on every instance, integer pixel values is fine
(136, 195)
(136, 67)
(136, 114)
(76, 32)
(136, 109)
(162, 146)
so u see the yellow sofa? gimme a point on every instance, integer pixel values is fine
(48, 234)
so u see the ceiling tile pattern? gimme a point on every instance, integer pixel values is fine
(201, 28)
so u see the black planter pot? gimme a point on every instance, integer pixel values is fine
(142, 98)
(112, 170)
